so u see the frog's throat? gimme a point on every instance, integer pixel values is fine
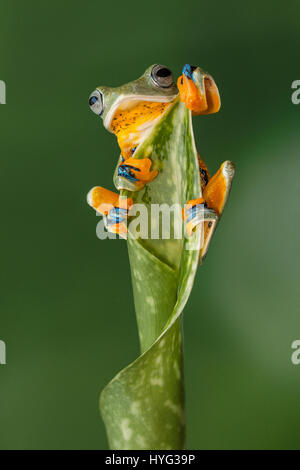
(125, 101)
(131, 126)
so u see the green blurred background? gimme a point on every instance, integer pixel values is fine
(67, 313)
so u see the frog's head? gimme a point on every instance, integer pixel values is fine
(130, 111)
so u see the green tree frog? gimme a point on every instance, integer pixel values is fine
(130, 112)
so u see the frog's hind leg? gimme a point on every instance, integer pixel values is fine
(215, 195)
(113, 208)
(198, 91)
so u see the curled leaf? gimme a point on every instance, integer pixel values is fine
(143, 406)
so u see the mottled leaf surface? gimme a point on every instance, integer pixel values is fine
(143, 406)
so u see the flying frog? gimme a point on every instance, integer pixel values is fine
(130, 112)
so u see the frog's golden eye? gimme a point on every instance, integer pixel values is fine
(96, 102)
(162, 76)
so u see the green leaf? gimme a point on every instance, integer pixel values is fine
(143, 406)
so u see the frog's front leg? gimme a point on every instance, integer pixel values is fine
(198, 91)
(113, 207)
(134, 173)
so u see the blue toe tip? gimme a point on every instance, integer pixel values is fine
(188, 71)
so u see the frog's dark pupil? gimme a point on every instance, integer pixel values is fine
(163, 72)
(93, 100)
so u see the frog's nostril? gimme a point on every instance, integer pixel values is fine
(93, 100)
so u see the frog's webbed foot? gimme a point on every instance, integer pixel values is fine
(116, 221)
(113, 207)
(134, 173)
(196, 212)
(197, 89)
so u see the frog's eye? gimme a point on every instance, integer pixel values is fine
(96, 102)
(162, 76)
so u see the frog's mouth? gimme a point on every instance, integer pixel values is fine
(126, 104)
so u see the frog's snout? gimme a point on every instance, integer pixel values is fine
(198, 90)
